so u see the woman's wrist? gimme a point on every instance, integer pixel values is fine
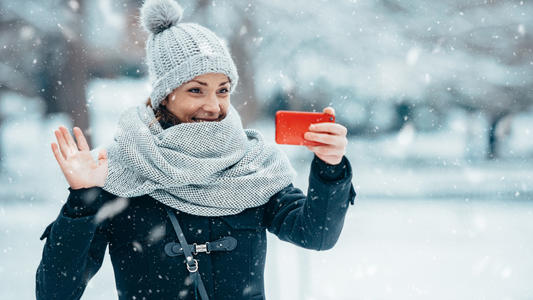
(84, 201)
(330, 172)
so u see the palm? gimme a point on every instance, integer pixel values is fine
(76, 161)
(83, 170)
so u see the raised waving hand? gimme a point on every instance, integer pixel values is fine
(76, 162)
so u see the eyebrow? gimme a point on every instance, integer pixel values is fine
(205, 84)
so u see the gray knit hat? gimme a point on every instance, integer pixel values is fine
(178, 52)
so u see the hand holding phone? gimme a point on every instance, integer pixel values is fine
(292, 125)
(325, 138)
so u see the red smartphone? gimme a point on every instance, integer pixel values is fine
(291, 126)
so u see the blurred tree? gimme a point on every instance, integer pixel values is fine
(479, 57)
(47, 52)
(411, 56)
(471, 54)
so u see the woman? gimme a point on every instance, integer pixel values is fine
(184, 195)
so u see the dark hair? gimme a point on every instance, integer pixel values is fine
(162, 114)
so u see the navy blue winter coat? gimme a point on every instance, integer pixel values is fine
(76, 245)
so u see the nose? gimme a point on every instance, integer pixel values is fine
(212, 104)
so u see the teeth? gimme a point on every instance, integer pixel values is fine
(200, 120)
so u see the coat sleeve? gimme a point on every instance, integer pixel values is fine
(75, 246)
(314, 221)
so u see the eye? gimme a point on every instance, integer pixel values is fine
(223, 90)
(194, 90)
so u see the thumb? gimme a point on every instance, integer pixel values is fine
(102, 156)
(329, 110)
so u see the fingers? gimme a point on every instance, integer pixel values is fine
(329, 110)
(327, 151)
(325, 137)
(82, 142)
(328, 127)
(59, 157)
(68, 138)
(321, 138)
(333, 142)
(67, 145)
(330, 141)
(62, 143)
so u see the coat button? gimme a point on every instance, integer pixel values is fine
(176, 249)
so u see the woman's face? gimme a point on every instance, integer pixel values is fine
(203, 98)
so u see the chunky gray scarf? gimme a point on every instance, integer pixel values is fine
(205, 169)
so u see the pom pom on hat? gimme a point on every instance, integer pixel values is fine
(159, 15)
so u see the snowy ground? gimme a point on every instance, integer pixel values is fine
(430, 221)
(389, 249)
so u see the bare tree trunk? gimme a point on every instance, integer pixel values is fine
(245, 95)
(493, 138)
(64, 80)
(73, 95)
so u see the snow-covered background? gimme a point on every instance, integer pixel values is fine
(437, 97)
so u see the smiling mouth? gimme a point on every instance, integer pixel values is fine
(204, 120)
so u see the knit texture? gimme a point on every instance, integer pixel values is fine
(205, 169)
(178, 52)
